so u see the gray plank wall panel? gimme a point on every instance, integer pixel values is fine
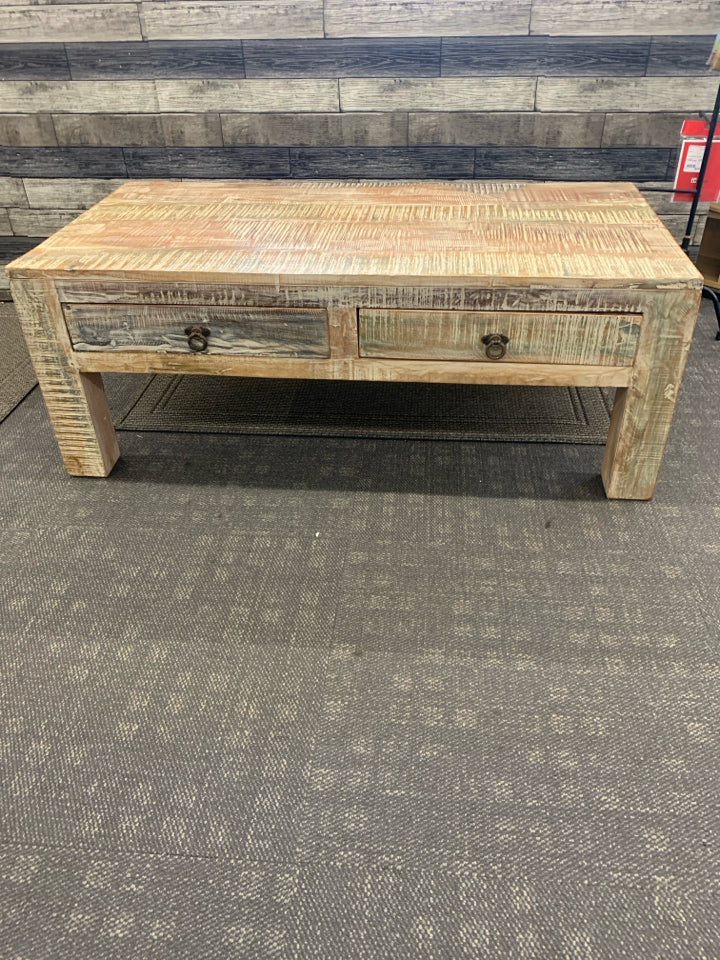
(71, 23)
(95, 92)
(547, 56)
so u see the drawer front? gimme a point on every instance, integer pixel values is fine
(249, 331)
(577, 338)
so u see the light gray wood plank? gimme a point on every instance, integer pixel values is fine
(636, 94)
(677, 224)
(39, 223)
(644, 129)
(78, 96)
(108, 130)
(191, 129)
(507, 129)
(229, 19)
(12, 192)
(438, 93)
(243, 96)
(69, 23)
(668, 209)
(623, 17)
(316, 129)
(426, 18)
(65, 193)
(6, 229)
(27, 130)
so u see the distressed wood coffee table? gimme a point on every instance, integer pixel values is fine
(462, 282)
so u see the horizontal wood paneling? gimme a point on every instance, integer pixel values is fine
(207, 162)
(58, 193)
(242, 96)
(549, 56)
(507, 129)
(36, 61)
(62, 162)
(40, 223)
(192, 129)
(634, 94)
(228, 19)
(108, 130)
(156, 59)
(313, 129)
(69, 23)
(623, 17)
(643, 129)
(432, 18)
(382, 162)
(27, 130)
(12, 192)
(6, 228)
(81, 96)
(378, 57)
(545, 163)
(679, 55)
(488, 93)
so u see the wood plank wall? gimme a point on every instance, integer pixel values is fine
(93, 93)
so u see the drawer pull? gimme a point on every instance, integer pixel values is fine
(197, 337)
(495, 344)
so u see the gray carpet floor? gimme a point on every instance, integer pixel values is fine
(340, 698)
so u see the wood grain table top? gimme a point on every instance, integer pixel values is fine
(582, 234)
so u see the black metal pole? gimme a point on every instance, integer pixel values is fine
(701, 175)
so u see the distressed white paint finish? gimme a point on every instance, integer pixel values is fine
(438, 93)
(239, 96)
(426, 18)
(228, 19)
(633, 94)
(69, 23)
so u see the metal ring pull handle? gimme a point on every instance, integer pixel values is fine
(197, 337)
(495, 344)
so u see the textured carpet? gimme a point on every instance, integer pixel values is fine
(17, 377)
(299, 697)
(327, 408)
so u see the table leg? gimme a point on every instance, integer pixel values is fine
(75, 401)
(643, 411)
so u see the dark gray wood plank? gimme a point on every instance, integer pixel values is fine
(679, 55)
(27, 130)
(207, 162)
(62, 162)
(153, 59)
(550, 56)
(11, 247)
(644, 129)
(108, 130)
(506, 129)
(316, 129)
(382, 162)
(33, 61)
(544, 163)
(379, 57)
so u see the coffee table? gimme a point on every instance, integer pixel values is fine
(461, 281)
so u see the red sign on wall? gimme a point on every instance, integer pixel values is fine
(694, 138)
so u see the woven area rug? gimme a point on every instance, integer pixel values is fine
(17, 377)
(201, 404)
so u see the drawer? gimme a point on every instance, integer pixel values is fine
(577, 338)
(250, 331)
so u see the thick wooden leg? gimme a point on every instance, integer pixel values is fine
(643, 411)
(75, 401)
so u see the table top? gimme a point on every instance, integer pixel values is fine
(581, 234)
